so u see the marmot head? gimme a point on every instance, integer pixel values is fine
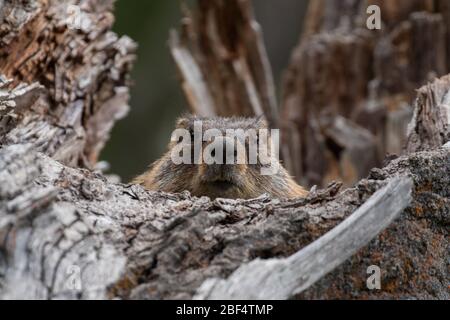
(227, 141)
(221, 158)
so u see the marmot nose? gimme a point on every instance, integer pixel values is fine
(223, 158)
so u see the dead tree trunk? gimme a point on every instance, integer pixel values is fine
(67, 232)
(348, 92)
(75, 72)
(222, 61)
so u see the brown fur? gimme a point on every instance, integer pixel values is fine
(218, 181)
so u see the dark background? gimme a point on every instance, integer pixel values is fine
(156, 97)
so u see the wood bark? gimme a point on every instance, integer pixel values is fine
(70, 233)
(76, 74)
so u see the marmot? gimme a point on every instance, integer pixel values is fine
(240, 180)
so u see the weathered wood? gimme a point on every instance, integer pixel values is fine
(70, 233)
(342, 69)
(61, 229)
(193, 82)
(222, 61)
(283, 278)
(430, 127)
(81, 71)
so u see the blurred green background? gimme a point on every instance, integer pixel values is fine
(156, 97)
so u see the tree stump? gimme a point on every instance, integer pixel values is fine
(67, 232)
